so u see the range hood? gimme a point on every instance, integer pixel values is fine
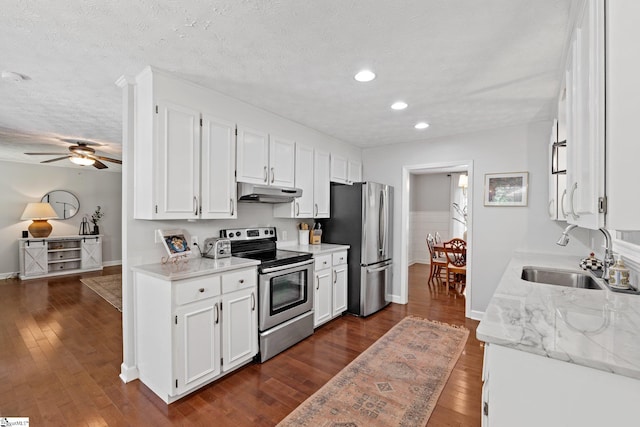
(266, 194)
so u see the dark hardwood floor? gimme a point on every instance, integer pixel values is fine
(61, 350)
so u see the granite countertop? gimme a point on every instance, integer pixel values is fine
(599, 329)
(322, 248)
(195, 267)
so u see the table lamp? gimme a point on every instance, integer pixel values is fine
(39, 213)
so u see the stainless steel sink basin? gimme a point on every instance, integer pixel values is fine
(559, 277)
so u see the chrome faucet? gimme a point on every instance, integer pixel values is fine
(608, 253)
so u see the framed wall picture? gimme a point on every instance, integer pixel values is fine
(176, 242)
(506, 189)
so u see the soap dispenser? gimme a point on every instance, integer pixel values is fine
(619, 275)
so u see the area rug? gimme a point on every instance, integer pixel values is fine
(395, 382)
(108, 287)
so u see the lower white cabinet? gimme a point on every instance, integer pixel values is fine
(527, 390)
(330, 295)
(55, 256)
(190, 332)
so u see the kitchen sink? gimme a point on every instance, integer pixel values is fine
(551, 276)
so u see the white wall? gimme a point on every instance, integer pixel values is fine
(497, 231)
(24, 183)
(430, 196)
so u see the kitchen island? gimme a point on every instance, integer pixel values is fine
(557, 355)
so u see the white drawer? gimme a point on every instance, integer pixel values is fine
(200, 288)
(323, 261)
(339, 257)
(240, 279)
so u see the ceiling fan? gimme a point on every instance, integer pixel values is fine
(81, 154)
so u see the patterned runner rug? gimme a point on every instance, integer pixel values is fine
(108, 287)
(395, 382)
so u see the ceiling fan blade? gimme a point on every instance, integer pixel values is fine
(107, 159)
(56, 159)
(43, 154)
(99, 165)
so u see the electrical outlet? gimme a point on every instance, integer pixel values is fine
(284, 235)
(194, 240)
(157, 234)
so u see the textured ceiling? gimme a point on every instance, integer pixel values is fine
(461, 65)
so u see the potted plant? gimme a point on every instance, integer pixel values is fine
(462, 212)
(95, 218)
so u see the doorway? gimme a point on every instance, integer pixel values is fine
(449, 214)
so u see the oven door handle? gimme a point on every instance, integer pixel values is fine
(286, 267)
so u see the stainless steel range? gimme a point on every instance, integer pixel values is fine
(285, 292)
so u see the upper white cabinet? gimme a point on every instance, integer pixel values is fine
(344, 171)
(585, 119)
(265, 159)
(184, 157)
(312, 177)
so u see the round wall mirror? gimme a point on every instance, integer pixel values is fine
(63, 202)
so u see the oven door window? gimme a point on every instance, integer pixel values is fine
(288, 290)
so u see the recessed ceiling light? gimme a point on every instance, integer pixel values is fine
(421, 125)
(399, 105)
(13, 76)
(365, 76)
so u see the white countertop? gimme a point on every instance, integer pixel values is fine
(322, 248)
(594, 328)
(195, 267)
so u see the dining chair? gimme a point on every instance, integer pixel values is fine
(437, 261)
(456, 269)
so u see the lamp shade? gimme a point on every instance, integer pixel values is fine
(39, 211)
(463, 182)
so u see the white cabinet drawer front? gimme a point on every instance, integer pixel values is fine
(239, 280)
(339, 258)
(323, 261)
(190, 290)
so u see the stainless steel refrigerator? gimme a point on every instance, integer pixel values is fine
(361, 216)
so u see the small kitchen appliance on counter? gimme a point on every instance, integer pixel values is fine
(216, 247)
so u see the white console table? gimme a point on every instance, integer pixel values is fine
(55, 256)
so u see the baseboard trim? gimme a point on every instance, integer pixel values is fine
(10, 275)
(396, 299)
(128, 374)
(111, 263)
(475, 315)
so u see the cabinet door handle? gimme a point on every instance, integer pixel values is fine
(217, 313)
(297, 208)
(317, 282)
(316, 214)
(265, 177)
(201, 290)
(253, 302)
(273, 176)
(195, 205)
(233, 208)
(571, 201)
(564, 194)
(335, 277)
(241, 281)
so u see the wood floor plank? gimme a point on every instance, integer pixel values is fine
(61, 350)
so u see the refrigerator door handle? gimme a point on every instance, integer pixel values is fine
(381, 224)
(376, 270)
(385, 229)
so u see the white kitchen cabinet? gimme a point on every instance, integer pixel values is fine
(330, 297)
(313, 179)
(322, 298)
(240, 320)
(340, 279)
(321, 185)
(192, 331)
(184, 157)
(218, 159)
(585, 119)
(354, 172)
(265, 159)
(527, 390)
(197, 344)
(55, 256)
(339, 169)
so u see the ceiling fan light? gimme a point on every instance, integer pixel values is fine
(82, 161)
